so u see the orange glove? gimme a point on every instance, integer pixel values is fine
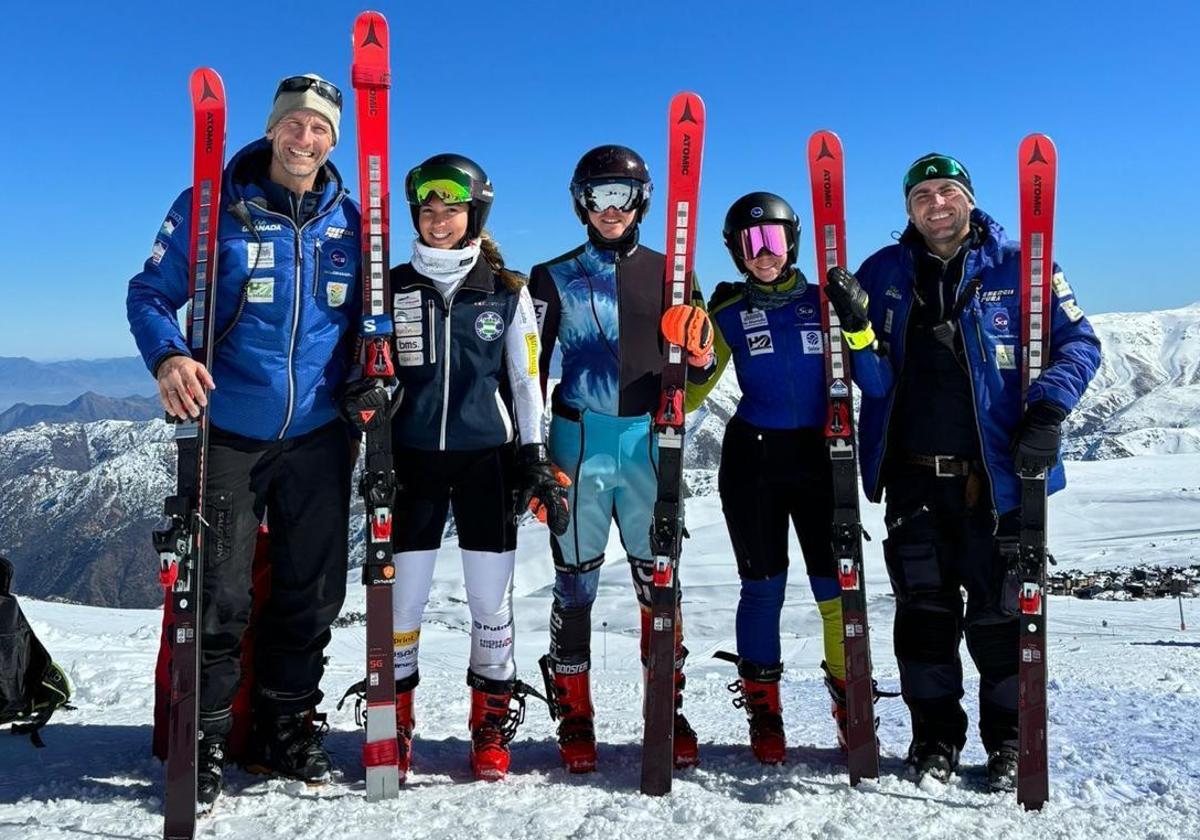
(689, 327)
(549, 500)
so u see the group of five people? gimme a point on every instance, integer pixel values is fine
(933, 327)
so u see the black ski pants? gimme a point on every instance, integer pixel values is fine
(940, 542)
(302, 487)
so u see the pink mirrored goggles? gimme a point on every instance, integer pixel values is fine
(771, 238)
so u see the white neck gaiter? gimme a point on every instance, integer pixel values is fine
(444, 267)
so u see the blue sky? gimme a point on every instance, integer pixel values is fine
(99, 130)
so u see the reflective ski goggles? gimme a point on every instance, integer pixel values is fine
(771, 238)
(625, 194)
(935, 166)
(450, 184)
(299, 84)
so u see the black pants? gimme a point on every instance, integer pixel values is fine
(767, 478)
(937, 545)
(302, 486)
(480, 486)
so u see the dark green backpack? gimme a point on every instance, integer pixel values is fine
(32, 686)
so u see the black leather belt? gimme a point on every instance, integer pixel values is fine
(943, 466)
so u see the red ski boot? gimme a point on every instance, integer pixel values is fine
(685, 746)
(764, 712)
(571, 703)
(837, 695)
(405, 722)
(492, 727)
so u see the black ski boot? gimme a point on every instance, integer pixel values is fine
(935, 760)
(1002, 770)
(210, 770)
(290, 745)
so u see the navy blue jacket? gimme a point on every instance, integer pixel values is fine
(778, 356)
(990, 326)
(450, 360)
(280, 369)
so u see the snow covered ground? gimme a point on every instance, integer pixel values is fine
(1124, 708)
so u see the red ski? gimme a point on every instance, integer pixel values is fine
(181, 545)
(1037, 165)
(371, 77)
(686, 130)
(827, 174)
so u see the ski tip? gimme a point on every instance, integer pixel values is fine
(206, 86)
(370, 30)
(687, 106)
(824, 145)
(1037, 148)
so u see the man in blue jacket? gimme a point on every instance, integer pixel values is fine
(935, 329)
(286, 305)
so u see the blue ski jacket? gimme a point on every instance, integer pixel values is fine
(990, 326)
(778, 356)
(286, 309)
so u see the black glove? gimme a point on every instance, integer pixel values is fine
(543, 488)
(365, 404)
(1035, 444)
(848, 299)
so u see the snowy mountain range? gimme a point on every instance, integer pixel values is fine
(25, 380)
(78, 499)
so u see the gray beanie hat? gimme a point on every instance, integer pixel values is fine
(310, 97)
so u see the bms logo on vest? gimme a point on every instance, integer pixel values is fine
(489, 326)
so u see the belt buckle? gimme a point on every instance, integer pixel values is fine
(937, 466)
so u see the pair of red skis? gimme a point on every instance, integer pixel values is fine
(181, 545)
(1037, 165)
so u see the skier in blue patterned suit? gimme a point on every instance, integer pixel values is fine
(286, 307)
(774, 460)
(943, 429)
(602, 303)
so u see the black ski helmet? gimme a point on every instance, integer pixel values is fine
(610, 161)
(759, 208)
(472, 176)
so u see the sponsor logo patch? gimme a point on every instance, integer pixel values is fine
(406, 300)
(1000, 320)
(410, 344)
(1071, 309)
(887, 320)
(339, 258)
(753, 319)
(892, 292)
(260, 290)
(169, 224)
(489, 326)
(813, 342)
(410, 359)
(1061, 287)
(760, 343)
(335, 293)
(157, 251)
(1006, 356)
(408, 328)
(260, 255)
(531, 350)
(806, 311)
(406, 639)
(995, 295)
(338, 233)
